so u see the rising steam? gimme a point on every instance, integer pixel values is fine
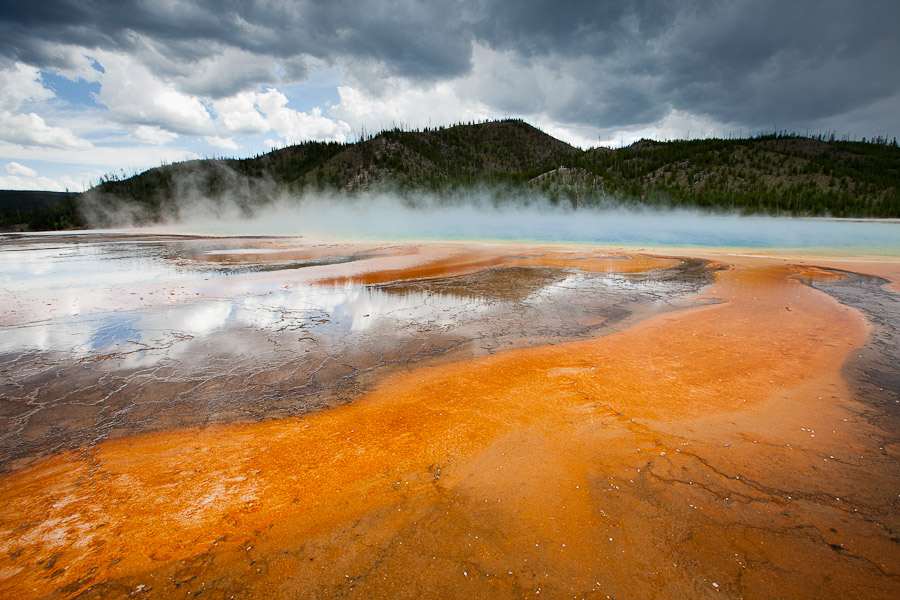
(477, 214)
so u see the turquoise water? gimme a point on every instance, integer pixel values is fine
(389, 220)
(656, 230)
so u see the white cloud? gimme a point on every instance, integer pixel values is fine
(105, 158)
(238, 114)
(29, 183)
(407, 105)
(221, 142)
(31, 130)
(295, 125)
(18, 84)
(76, 171)
(155, 101)
(674, 125)
(14, 168)
(154, 135)
(134, 95)
(25, 178)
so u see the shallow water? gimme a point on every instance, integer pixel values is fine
(501, 422)
(875, 368)
(384, 218)
(113, 335)
(63, 261)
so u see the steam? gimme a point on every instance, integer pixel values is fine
(479, 214)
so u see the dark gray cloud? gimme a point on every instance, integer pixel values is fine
(753, 63)
(579, 27)
(758, 61)
(422, 41)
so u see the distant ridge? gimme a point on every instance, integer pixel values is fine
(778, 174)
(22, 210)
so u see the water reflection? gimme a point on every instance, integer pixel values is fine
(34, 264)
(109, 337)
(142, 337)
(94, 275)
(346, 308)
(113, 330)
(52, 266)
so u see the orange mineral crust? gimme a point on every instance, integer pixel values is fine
(710, 452)
(427, 261)
(613, 263)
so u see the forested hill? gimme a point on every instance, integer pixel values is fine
(38, 210)
(772, 174)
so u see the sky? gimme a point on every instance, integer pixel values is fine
(94, 87)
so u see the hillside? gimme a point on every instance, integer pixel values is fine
(442, 159)
(37, 210)
(774, 174)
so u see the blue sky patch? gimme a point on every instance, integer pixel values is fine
(319, 90)
(77, 93)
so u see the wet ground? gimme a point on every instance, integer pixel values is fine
(876, 364)
(874, 369)
(73, 380)
(409, 421)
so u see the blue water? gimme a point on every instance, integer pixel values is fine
(673, 229)
(385, 218)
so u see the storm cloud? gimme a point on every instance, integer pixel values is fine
(586, 71)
